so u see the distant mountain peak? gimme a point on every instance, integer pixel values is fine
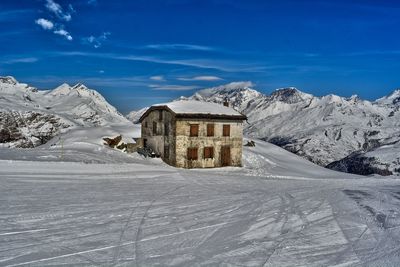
(8, 80)
(289, 95)
(392, 98)
(80, 86)
(225, 88)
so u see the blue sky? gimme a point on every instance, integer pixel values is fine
(146, 51)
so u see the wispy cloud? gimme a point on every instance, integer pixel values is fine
(157, 78)
(13, 60)
(92, 2)
(64, 33)
(373, 52)
(58, 10)
(45, 24)
(98, 81)
(8, 15)
(96, 42)
(172, 87)
(200, 78)
(205, 63)
(179, 47)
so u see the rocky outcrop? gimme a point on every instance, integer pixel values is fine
(28, 129)
(116, 142)
(359, 164)
(112, 142)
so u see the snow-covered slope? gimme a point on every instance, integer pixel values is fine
(279, 210)
(322, 129)
(30, 117)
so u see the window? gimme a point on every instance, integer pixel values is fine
(160, 115)
(154, 128)
(166, 152)
(145, 124)
(208, 152)
(194, 130)
(210, 129)
(226, 130)
(192, 153)
(166, 129)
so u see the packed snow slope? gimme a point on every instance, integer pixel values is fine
(322, 129)
(279, 210)
(30, 117)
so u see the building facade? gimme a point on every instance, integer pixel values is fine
(193, 134)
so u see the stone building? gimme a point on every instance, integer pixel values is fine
(194, 134)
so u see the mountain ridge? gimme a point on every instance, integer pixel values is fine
(324, 129)
(30, 117)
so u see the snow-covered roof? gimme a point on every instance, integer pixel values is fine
(190, 108)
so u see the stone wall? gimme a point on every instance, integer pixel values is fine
(183, 141)
(178, 140)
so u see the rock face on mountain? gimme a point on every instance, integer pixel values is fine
(30, 117)
(324, 129)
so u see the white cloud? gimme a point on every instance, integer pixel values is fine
(58, 11)
(45, 24)
(201, 78)
(171, 87)
(96, 41)
(157, 78)
(64, 33)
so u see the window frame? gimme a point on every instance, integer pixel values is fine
(191, 151)
(155, 128)
(210, 129)
(226, 130)
(190, 130)
(166, 129)
(210, 152)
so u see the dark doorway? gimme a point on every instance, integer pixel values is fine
(225, 156)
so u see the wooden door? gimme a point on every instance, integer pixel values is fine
(225, 156)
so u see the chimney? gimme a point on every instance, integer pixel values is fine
(226, 103)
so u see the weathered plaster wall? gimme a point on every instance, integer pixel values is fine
(161, 139)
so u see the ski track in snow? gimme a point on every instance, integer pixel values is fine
(127, 216)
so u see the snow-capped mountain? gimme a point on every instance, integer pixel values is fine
(322, 129)
(135, 115)
(30, 117)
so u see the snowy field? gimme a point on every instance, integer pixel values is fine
(279, 210)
